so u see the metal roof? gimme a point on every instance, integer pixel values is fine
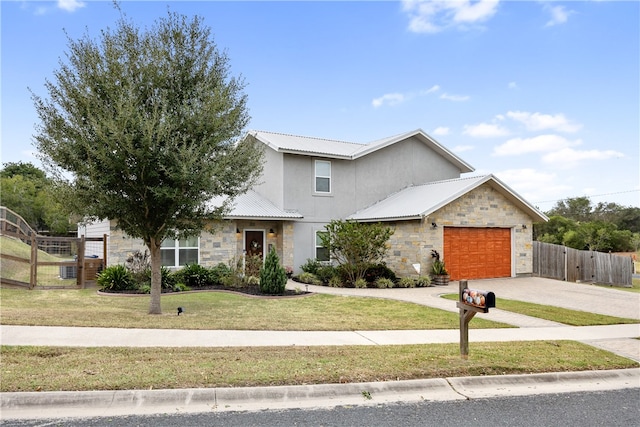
(418, 201)
(254, 206)
(349, 150)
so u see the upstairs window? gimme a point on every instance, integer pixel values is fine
(178, 253)
(322, 253)
(323, 176)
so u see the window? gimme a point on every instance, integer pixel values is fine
(178, 253)
(322, 253)
(323, 176)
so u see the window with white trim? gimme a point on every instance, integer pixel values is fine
(179, 252)
(322, 253)
(323, 176)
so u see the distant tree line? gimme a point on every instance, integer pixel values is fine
(605, 227)
(28, 191)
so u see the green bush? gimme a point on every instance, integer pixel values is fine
(335, 282)
(383, 283)
(309, 278)
(378, 271)
(218, 273)
(116, 278)
(326, 273)
(406, 282)
(273, 278)
(194, 276)
(311, 266)
(253, 265)
(168, 279)
(360, 283)
(423, 281)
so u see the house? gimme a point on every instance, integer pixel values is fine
(480, 226)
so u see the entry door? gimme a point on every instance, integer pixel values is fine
(254, 243)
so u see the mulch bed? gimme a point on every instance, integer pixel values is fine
(253, 291)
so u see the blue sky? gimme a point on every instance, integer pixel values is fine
(545, 95)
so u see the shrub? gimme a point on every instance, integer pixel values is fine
(325, 273)
(360, 283)
(406, 282)
(423, 281)
(378, 271)
(309, 278)
(194, 276)
(218, 273)
(383, 283)
(273, 278)
(253, 265)
(335, 282)
(167, 279)
(311, 266)
(138, 263)
(116, 278)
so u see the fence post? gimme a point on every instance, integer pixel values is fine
(33, 277)
(104, 251)
(80, 265)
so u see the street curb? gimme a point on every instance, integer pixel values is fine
(31, 405)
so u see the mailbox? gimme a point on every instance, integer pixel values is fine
(477, 298)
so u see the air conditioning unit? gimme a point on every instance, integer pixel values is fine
(68, 271)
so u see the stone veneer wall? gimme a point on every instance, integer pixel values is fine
(413, 240)
(219, 245)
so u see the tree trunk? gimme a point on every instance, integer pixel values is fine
(156, 277)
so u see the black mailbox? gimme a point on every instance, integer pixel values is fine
(477, 298)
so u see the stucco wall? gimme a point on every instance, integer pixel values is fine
(413, 241)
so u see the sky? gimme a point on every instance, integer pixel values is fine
(545, 95)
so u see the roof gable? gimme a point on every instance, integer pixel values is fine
(349, 150)
(419, 201)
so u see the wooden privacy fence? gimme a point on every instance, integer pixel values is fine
(572, 265)
(30, 260)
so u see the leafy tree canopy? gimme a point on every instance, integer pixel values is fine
(148, 125)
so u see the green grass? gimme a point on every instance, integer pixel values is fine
(223, 311)
(64, 368)
(555, 314)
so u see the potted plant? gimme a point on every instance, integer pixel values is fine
(439, 273)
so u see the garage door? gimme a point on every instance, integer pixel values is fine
(477, 253)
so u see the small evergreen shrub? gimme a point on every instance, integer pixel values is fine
(218, 273)
(377, 271)
(168, 279)
(423, 281)
(309, 278)
(406, 282)
(360, 283)
(116, 278)
(383, 283)
(335, 282)
(325, 273)
(311, 266)
(194, 276)
(273, 278)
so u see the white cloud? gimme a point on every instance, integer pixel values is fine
(70, 5)
(455, 98)
(432, 16)
(389, 98)
(534, 185)
(538, 121)
(512, 85)
(540, 143)
(432, 89)
(559, 15)
(440, 131)
(462, 148)
(567, 158)
(485, 130)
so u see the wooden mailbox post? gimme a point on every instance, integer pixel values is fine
(470, 302)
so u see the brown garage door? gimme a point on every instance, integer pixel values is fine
(477, 253)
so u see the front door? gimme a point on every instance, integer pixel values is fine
(254, 243)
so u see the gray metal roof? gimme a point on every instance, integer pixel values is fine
(254, 206)
(422, 200)
(349, 150)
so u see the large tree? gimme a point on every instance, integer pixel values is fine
(147, 124)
